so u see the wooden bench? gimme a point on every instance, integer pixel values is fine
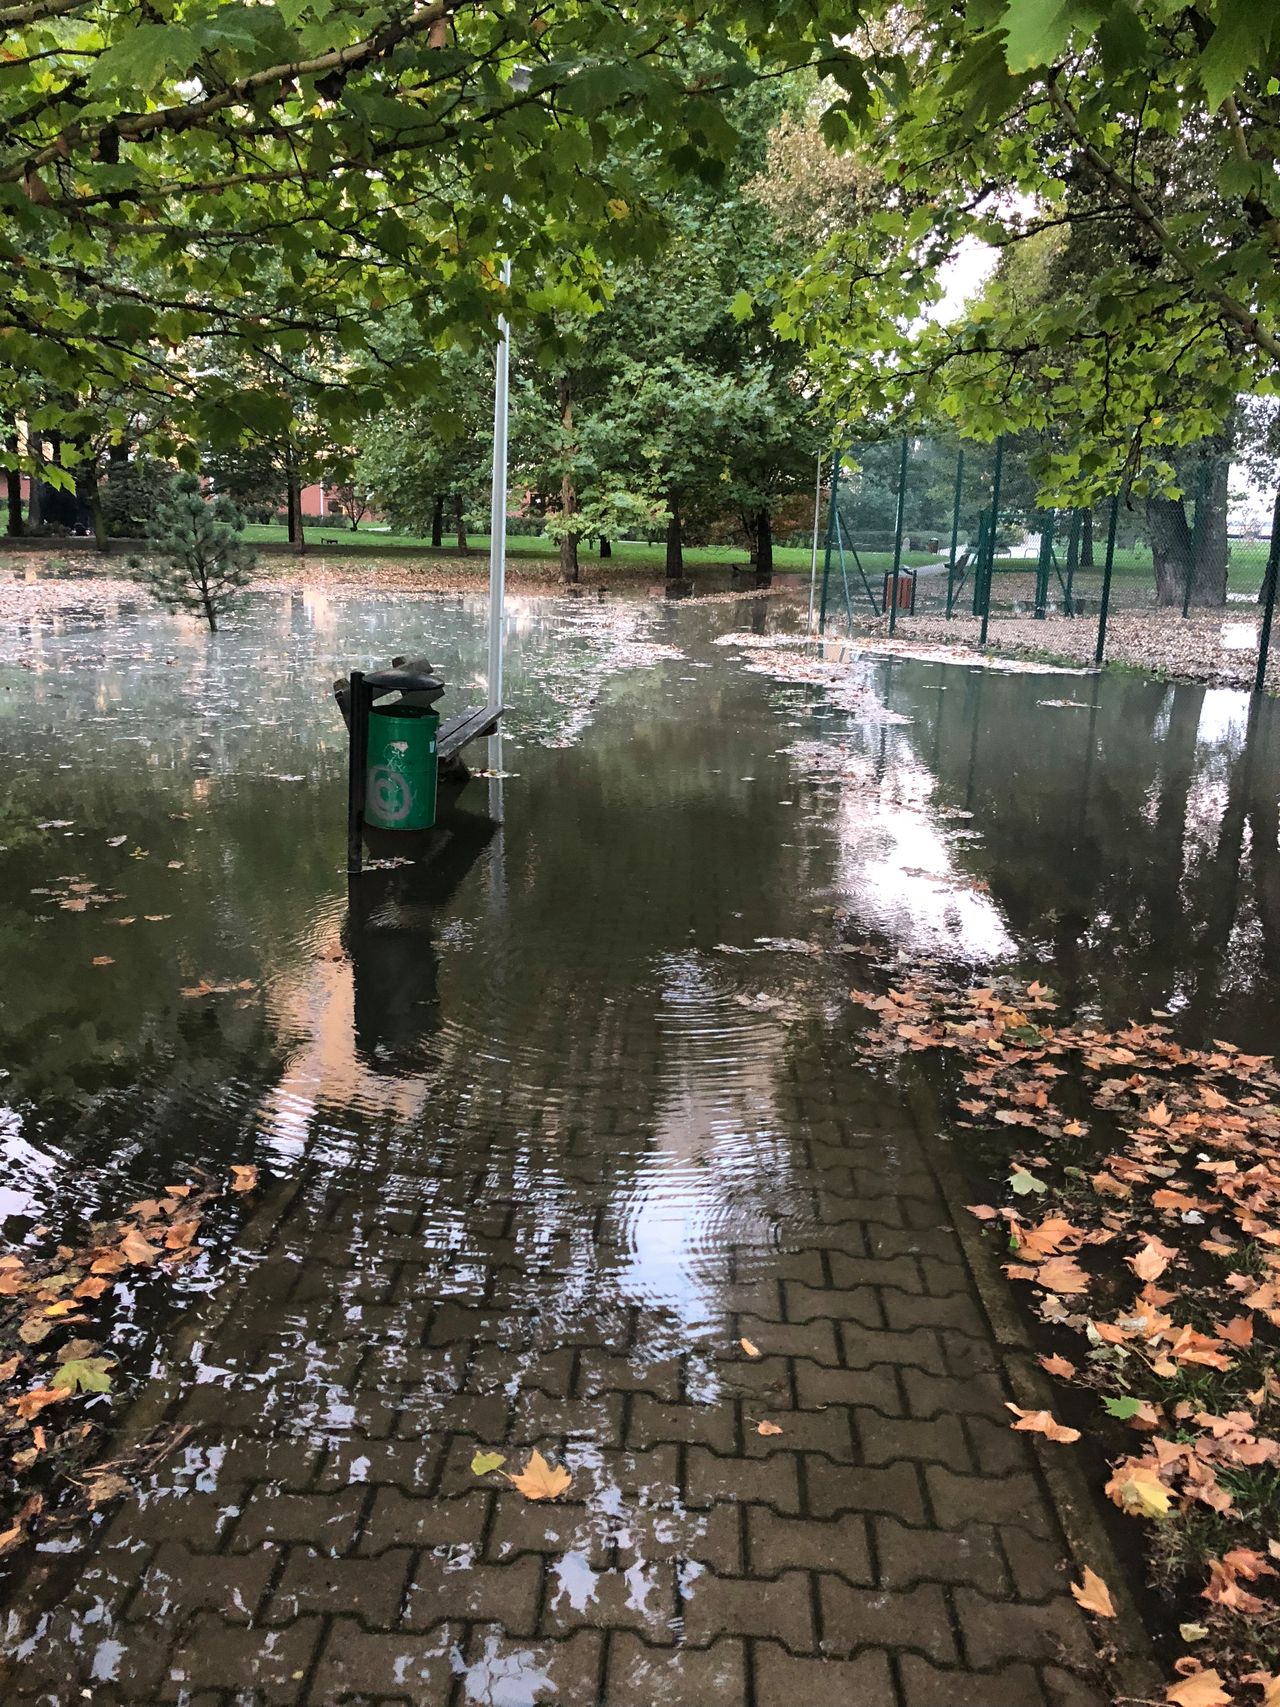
(459, 731)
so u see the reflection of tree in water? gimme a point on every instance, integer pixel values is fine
(1132, 843)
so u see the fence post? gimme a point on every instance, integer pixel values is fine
(955, 531)
(1197, 532)
(1105, 604)
(897, 534)
(1269, 589)
(979, 560)
(1044, 565)
(991, 539)
(837, 459)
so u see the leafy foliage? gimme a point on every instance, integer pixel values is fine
(1156, 135)
(132, 495)
(289, 177)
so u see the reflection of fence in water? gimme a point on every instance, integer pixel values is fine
(960, 525)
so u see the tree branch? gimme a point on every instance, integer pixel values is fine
(1239, 313)
(191, 114)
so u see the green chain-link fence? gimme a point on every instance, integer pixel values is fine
(928, 534)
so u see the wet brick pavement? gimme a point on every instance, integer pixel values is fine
(320, 1537)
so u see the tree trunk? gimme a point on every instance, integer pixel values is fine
(293, 499)
(13, 482)
(89, 500)
(606, 545)
(568, 496)
(1086, 539)
(764, 547)
(99, 518)
(211, 615)
(460, 522)
(437, 522)
(675, 541)
(1182, 552)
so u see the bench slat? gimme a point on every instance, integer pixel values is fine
(466, 726)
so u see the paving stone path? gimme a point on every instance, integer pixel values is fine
(320, 1537)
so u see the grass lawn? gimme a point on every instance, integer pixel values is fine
(787, 559)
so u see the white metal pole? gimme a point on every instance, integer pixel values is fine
(813, 564)
(498, 506)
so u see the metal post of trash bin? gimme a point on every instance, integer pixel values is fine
(357, 769)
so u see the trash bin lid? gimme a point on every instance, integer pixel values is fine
(403, 681)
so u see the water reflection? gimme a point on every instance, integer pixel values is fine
(571, 1105)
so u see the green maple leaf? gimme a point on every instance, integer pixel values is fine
(85, 1374)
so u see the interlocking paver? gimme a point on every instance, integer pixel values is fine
(440, 1588)
(216, 1655)
(643, 1676)
(323, 1538)
(398, 1519)
(744, 1606)
(914, 1619)
(178, 1581)
(837, 1488)
(356, 1663)
(311, 1582)
(926, 1685)
(799, 1543)
(862, 1682)
(907, 1556)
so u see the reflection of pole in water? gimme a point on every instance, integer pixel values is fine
(978, 677)
(1092, 742)
(498, 850)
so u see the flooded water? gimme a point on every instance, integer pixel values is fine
(556, 1065)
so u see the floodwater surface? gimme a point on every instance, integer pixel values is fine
(591, 995)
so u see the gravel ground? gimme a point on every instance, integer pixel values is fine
(1217, 648)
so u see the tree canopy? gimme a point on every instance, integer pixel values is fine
(1151, 125)
(282, 176)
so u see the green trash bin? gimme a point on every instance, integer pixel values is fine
(400, 789)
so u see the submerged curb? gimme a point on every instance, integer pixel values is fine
(1133, 1667)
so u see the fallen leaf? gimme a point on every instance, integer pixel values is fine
(31, 1404)
(767, 1428)
(85, 1374)
(103, 1486)
(1106, 1185)
(1060, 1366)
(750, 1349)
(244, 1176)
(1093, 1595)
(1063, 1274)
(1137, 1489)
(485, 1462)
(1239, 1331)
(181, 1234)
(1193, 1632)
(137, 1249)
(1152, 1260)
(1022, 1182)
(102, 960)
(1042, 1422)
(983, 1211)
(9, 1538)
(1202, 1689)
(540, 1480)
(9, 1368)
(92, 1288)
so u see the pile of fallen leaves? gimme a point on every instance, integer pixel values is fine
(55, 1316)
(1144, 1210)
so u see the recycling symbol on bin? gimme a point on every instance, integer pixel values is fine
(389, 796)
